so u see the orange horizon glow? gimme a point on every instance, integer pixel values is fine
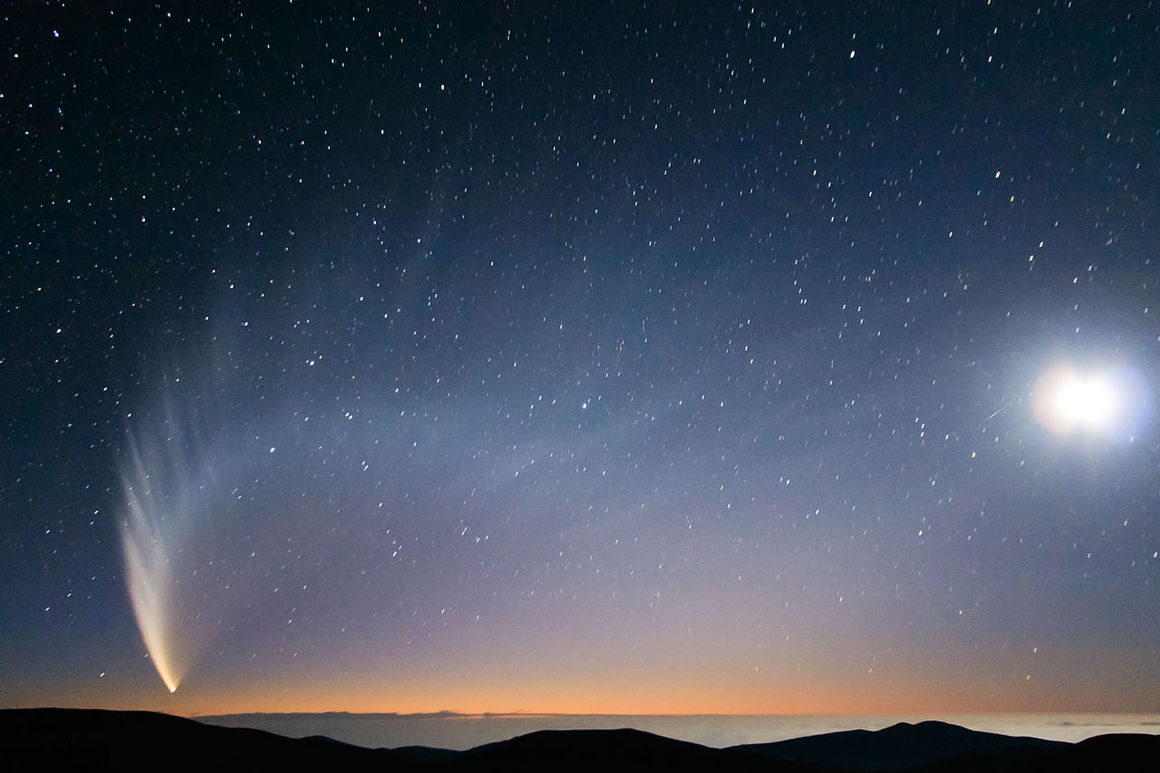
(528, 702)
(603, 687)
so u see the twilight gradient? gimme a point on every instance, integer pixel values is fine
(737, 359)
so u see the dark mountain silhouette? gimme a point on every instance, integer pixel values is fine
(904, 747)
(603, 750)
(96, 740)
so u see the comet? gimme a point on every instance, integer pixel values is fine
(164, 493)
(146, 554)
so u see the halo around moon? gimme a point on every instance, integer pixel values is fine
(1108, 403)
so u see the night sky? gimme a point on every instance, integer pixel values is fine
(581, 358)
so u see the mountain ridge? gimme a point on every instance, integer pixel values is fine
(97, 739)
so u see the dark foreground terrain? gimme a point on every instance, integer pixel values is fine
(78, 739)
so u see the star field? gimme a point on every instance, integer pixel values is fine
(593, 358)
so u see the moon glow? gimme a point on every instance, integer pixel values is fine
(1107, 403)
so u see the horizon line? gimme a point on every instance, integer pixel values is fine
(534, 714)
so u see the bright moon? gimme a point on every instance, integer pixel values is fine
(1066, 400)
